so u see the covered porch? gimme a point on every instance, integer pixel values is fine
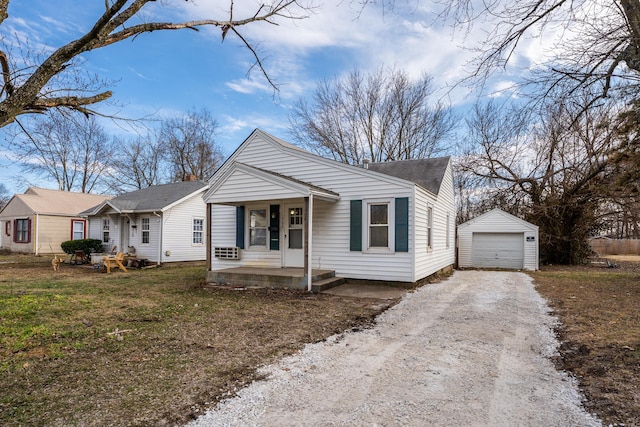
(273, 223)
(287, 277)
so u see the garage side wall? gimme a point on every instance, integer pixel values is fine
(497, 221)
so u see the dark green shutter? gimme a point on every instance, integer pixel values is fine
(274, 227)
(240, 227)
(355, 240)
(402, 224)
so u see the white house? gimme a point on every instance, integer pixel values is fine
(162, 223)
(274, 205)
(498, 239)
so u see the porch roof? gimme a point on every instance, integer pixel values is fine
(243, 183)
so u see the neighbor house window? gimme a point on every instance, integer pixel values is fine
(77, 229)
(198, 230)
(105, 230)
(429, 227)
(145, 231)
(22, 231)
(378, 217)
(258, 227)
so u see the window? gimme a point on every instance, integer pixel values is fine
(198, 230)
(429, 228)
(378, 225)
(258, 227)
(77, 229)
(295, 228)
(448, 230)
(22, 231)
(145, 231)
(105, 230)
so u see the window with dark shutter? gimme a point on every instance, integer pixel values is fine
(402, 224)
(355, 226)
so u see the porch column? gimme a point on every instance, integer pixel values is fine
(308, 227)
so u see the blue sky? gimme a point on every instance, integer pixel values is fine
(169, 73)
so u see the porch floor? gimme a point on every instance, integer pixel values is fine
(288, 277)
(270, 271)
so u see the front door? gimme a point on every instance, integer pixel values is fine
(294, 236)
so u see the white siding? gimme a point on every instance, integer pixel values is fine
(242, 187)
(177, 230)
(441, 255)
(497, 221)
(331, 220)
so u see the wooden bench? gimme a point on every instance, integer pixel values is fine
(114, 261)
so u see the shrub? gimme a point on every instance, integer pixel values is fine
(86, 245)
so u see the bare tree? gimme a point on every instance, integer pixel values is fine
(38, 88)
(380, 116)
(556, 170)
(136, 164)
(5, 196)
(596, 44)
(72, 149)
(189, 145)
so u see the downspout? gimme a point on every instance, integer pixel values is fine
(160, 238)
(209, 232)
(310, 245)
(37, 233)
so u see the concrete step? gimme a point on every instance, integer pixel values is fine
(324, 284)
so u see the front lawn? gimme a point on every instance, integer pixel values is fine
(599, 309)
(148, 347)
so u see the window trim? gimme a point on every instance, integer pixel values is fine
(194, 231)
(17, 233)
(391, 220)
(429, 228)
(148, 230)
(448, 232)
(248, 228)
(7, 228)
(73, 228)
(106, 230)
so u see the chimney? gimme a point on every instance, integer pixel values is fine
(365, 163)
(191, 177)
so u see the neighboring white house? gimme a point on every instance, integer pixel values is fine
(382, 221)
(162, 223)
(498, 239)
(39, 220)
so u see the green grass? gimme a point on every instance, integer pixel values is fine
(148, 347)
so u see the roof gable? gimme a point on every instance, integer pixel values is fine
(298, 152)
(498, 212)
(53, 202)
(279, 186)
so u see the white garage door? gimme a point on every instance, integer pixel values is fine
(498, 250)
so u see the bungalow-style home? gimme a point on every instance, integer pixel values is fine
(162, 223)
(39, 220)
(273, 205)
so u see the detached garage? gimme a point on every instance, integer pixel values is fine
(497, 239)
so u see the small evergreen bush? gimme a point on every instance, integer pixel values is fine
(86, 245)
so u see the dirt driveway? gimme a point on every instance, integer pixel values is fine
(472, 350)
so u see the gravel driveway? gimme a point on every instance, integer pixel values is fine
(472, 350)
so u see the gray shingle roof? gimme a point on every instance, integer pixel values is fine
(155, 197)
(427, 173)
